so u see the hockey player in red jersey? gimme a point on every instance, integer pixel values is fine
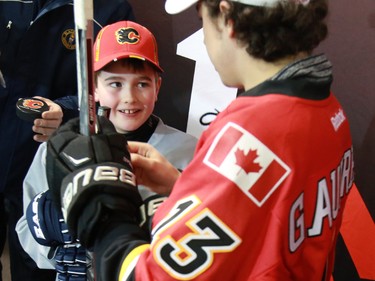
(264, 195)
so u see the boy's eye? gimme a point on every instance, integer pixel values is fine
(142, 84)
(115, 84)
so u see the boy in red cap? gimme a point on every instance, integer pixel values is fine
(127, 77)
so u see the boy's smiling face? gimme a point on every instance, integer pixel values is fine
(130, 92)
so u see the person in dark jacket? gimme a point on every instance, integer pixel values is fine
(37, 58)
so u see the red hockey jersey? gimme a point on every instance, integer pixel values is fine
(263, 197)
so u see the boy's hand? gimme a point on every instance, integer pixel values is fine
(45, 221)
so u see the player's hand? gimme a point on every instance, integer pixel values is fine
(152, 169)
(44, 127)
(92, 177)
(68, 151)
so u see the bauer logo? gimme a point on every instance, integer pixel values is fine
(243, 159)
(87, 177)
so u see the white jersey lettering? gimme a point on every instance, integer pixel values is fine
(322, 209)
(296, 224)
(330, 192)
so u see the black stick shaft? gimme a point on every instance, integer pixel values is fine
(83, 17)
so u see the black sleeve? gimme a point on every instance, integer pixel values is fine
(113, 247)
(109, 227)
(69, 105)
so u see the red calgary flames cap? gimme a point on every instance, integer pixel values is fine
(125, 39)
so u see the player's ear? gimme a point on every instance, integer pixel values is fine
(227, 23)
(224, 7)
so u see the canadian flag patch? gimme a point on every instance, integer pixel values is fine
(243, 159)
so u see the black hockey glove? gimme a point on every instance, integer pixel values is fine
(92, 178)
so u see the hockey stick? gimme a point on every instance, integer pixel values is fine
(83, 19)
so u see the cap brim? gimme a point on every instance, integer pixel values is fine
(176, 6)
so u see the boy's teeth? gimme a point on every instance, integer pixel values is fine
(129, 111)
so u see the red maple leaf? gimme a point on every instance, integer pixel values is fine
(247, 162)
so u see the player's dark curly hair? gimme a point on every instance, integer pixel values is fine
(274, 33)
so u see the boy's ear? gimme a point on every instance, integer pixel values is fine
(96, 96)
(158, 85)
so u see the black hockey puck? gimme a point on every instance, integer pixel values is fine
(29, 109)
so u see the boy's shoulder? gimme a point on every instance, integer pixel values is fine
(171, 132)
